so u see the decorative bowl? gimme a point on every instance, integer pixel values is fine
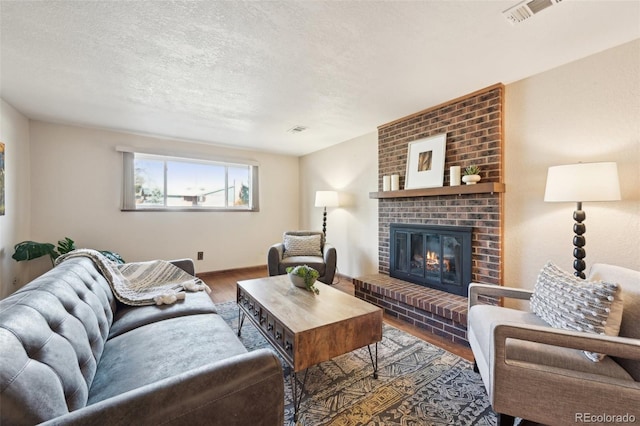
(297, 280)
(471, 179)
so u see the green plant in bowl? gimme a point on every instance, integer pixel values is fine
(471, 170)
(304, 275)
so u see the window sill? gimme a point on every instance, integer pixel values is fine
(187, 209)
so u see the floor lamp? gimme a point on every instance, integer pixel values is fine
(578, 183)
(326, 199)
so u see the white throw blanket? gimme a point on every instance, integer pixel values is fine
(142, 283)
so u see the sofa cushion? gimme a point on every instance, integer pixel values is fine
(482, 319)
(568, 302)
(129, 317)
(314, 262)
(160, 350)
(302, 245)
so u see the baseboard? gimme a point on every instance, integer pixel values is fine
(247, 269)
(344, 277)
(255, 269)
(342, 280)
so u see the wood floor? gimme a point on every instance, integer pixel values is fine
(223, 286)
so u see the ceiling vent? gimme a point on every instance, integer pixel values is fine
(526, 9)
(297, 129)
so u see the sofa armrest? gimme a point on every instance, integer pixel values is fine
(476, 290)
(554, 395)
(241, 390)
(186, 265)
(621, 347)
(274, 257)
(330, 258)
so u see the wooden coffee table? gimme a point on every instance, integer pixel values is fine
(307, 329)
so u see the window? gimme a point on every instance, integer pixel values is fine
(160, 182)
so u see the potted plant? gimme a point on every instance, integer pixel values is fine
(304, 276)
(28, 250)
(471, 175)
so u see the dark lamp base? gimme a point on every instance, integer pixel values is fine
(579, 241)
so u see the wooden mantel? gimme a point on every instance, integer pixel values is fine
(479, 188)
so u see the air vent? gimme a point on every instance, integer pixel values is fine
(526, 9)
(297, 129)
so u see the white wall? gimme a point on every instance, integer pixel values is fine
(351, 168)
(76, 192)
(585, 111)
(14, 225)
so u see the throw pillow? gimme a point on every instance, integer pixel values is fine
(566, 301)
(302, 245)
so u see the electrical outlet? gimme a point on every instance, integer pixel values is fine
(200, 255)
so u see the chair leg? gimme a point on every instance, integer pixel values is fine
(506, 420)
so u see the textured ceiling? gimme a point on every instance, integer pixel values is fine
(243, 73)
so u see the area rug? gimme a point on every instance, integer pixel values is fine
(418, 384)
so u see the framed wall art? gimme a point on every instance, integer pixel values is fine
(425, 162)
(1, 179)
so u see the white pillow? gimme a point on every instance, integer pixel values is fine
(302, 245)
(566, 301)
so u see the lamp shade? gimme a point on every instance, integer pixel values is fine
(326, 199)
(583, 182)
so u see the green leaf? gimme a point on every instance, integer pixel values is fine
(28, 250)
(472, 170)
(309, 275)
(66, 245)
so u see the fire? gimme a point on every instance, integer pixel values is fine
(433, 261)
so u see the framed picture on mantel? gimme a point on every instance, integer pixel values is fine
(425, 162)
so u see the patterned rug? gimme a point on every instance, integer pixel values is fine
(418, 384)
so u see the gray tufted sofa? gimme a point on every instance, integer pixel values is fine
(71, 354)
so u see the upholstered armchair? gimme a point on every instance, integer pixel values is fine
(534, 371)
(303, 248)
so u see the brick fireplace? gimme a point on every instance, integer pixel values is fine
(432, 256)
(474, 128)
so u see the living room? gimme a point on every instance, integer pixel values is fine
(583, 111)
(65, 179)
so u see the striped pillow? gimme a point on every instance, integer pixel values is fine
(302, 245)
(565, 301)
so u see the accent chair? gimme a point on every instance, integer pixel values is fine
(303, 248)
(557, 375)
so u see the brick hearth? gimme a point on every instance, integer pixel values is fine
(435, 311)
(474, 128)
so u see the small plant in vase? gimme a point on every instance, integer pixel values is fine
(304, 276)
(471, 175)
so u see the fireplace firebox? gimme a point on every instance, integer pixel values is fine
(432, 256)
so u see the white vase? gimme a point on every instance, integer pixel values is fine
(454, 175)
(471, 179)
